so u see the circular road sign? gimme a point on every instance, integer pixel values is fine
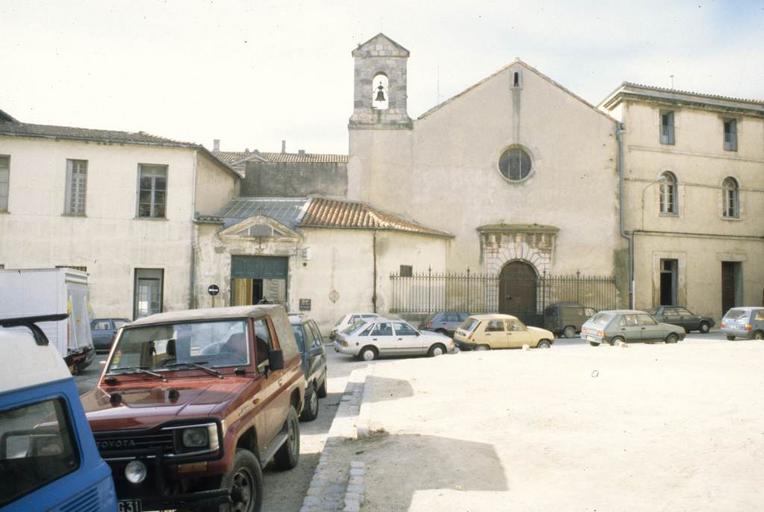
(213, 289)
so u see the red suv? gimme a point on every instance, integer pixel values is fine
(193, 404)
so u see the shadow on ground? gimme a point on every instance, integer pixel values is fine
(397, 466)
(389, 389)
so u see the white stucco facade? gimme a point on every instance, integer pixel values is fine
(109, 240)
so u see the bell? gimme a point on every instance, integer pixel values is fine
(380, 93)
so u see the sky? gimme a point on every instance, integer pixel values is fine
(253, 72)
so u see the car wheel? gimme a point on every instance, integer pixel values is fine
(289, 454)
(442, 331)
(687, 330)
(730, 337)
(368, 354)
(544, 344)
(594, 344)
(615, 340)
(436, 350)
(310, 411)
(482, 347)
(322, 388)
(758, 335)
(672, 338)
(704, 327)
(246, 483)
(569, 332)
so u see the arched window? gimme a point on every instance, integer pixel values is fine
(730, 198)
(380, 95)
(515, 164)
(668, 194)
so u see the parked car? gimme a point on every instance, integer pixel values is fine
(383, 337)
(444, 322)
(486, 332)
(48, 458)
(350, 320)
(746, 322)
(677, 315)
(104, 331)
(311, 346)
(566, 318)
(191, 406)
(627, 325)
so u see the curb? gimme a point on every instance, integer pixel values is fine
(337, 486)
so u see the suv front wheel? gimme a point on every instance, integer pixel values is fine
(246, 483)
(289, 454)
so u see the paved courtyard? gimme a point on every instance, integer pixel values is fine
(645, 427)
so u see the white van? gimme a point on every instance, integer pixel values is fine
(35, 292)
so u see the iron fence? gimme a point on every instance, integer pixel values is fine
(429, 292)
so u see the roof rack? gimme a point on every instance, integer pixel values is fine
(30, 322)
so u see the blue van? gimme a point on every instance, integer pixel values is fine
(48, 457)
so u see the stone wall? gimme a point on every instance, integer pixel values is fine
(293, 179)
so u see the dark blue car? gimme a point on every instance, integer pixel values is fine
(311, 345)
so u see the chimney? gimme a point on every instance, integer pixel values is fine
(283, 146)
(301, 152)
(215, 144)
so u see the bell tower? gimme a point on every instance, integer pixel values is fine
(380, 85)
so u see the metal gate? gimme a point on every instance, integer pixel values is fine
(517, 290)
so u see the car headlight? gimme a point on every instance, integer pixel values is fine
(135, 472)
(196, 437)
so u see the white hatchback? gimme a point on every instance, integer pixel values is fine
(351, 320)
(383, 337)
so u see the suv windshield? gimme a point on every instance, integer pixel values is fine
(181, 346)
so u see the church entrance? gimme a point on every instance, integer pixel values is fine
(517, 291)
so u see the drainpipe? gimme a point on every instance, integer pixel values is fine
(192, 279)
(619, 129)
(374, 256)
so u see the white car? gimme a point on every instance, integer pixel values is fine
(383, 337)
(351, 320)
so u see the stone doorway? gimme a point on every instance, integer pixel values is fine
(518, 282)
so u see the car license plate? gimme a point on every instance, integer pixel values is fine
(590, 338)
(130, 506)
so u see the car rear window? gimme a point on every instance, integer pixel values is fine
(735, 314)
(601, 319)
(470, 324)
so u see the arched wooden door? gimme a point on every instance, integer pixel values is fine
(517, 291)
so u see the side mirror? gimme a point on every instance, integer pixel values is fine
(276, 360)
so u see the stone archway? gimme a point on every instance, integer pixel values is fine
(518, 282)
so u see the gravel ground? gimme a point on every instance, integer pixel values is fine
(644, 427)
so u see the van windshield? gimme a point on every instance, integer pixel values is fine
(600, 319)
(174, 346)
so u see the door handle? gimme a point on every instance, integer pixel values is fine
(281, 382)
(374, 339)
(256, 401)
(400, 339)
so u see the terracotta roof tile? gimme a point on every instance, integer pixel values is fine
(333, 213)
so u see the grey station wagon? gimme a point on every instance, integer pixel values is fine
(745, 323)
(628, 325)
